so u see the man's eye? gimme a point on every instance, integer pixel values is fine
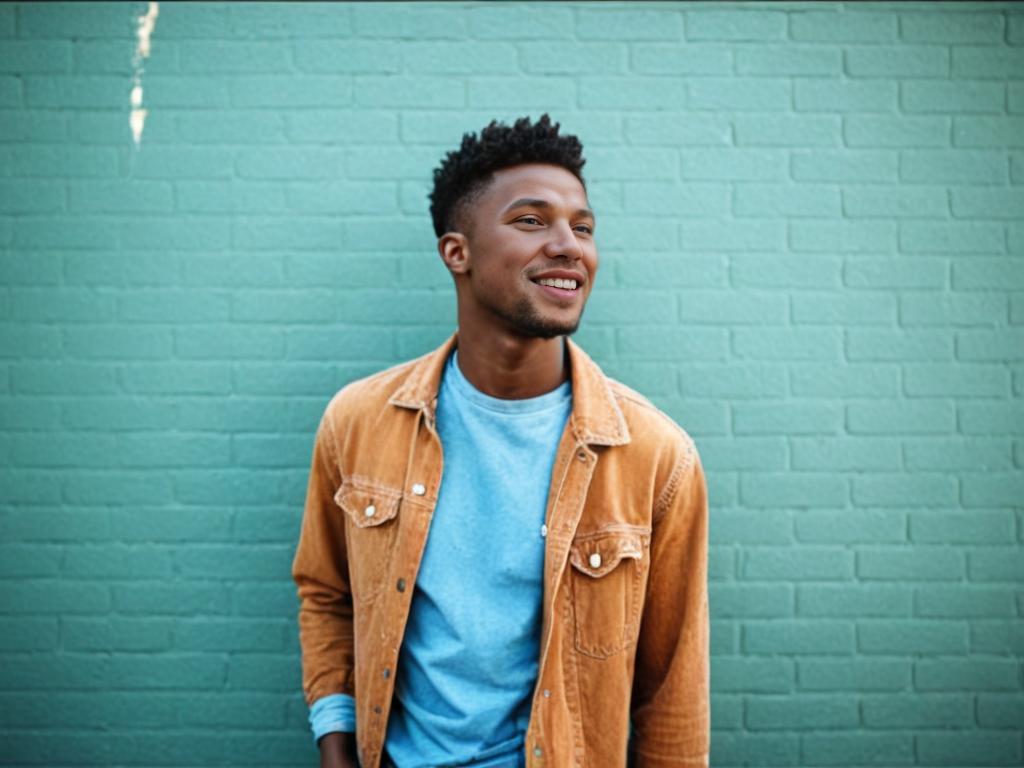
(586, 228)
(527, 219)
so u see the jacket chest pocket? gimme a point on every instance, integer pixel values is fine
(371, 534)
(607, 580)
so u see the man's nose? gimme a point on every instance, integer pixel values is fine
(563, 242)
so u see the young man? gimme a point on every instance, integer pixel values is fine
(503, 556)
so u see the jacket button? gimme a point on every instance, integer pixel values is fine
(419, 489)
(370, 511)
(401, 585)
(544, 530)
(595, 560)
(547, 694)
(387, 673)
(538, 751)
(581, 455)
(377, 710)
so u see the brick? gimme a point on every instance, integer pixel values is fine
(962, 166)
(987, 62)
(965, 674)
(233, 634)
(956, 454)
(961, 527)
(733, 165)
(912, 637)
(862, 749)
(71, 20)
(774, 200)
(735, 25)
(120, 196)
(528, 93)
(976, 380)
(528, 23)
(958, 28)
(464, 57)
(291, 163)
(285, 91)
(798, 638)
(844, 453)
(846, 236)
(263, 672)
(781, 713)
(984, 747)
(801, 419)
(787, 130)
(328, 126)
(887, 131)
(803, 344)
(176, 378)
(763, 235)
(62, 450)
(563, 58)
(855, 309)
(645, 24)
(412, 22)
(805, 564)
(50, 161)
(51, 596)
(621, 93)
(26, 560)
(988, 131)
(700, 200)
(900, 418)
(746, 748)
(729, 712)
(927, 309)
(982, 273)
(745, 453)
(917, 710)
(898, 61)
(794, 271)
(984, 203)
(25, 57)
(844, 165)
(995, 564)
(27, 634)
(789, 60)
(693, 130)
(297, 232)
(892, 490)
(30, 196)
(186, 525)
(805, 489)
(957, 96)
(918, 564)
(993, 489)
(267, 21)
(752, 675)
(1000, 710)
(964, 602)
(675, 59)
(858, 96)
(897, 272)
(63, 378)
(751, 600)
(830, 381)
(853, 675)
(752, 94)
(990, 345)
(39, 126)
(761, 527)
(649, 343)
(842, 26)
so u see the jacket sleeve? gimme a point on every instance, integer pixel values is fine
(320, 571)
(670, 706)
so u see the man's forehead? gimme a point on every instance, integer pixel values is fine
(536, 181)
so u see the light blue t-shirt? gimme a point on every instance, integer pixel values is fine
(468, 663)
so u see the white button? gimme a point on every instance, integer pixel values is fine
(371, 511)
(538, 751)
(419, 489)
(547, 693)
(544, 530)
(595, 560)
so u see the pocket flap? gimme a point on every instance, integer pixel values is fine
(596, 554)
(367, 505)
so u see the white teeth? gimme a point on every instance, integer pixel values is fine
(557, 282)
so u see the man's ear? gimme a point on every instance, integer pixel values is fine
(454, 250)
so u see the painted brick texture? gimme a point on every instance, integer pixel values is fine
(811, 223)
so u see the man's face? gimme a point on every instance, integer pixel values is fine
(530, 228)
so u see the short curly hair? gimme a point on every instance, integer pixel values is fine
(465, 173)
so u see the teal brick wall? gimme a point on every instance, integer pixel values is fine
(812, 232)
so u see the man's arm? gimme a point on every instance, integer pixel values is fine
(671, 689)
(320, 571)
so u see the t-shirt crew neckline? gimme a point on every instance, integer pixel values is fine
(549, 401)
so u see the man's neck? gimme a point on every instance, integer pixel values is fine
(512, 367)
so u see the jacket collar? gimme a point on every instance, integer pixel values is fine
(596, 417)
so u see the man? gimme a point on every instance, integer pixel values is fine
(503, 555)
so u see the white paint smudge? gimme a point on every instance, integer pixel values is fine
(146, 23)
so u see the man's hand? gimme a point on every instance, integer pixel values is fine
(338, 750)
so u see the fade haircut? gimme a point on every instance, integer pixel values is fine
(465, 173)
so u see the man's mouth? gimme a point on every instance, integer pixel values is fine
(558, 287)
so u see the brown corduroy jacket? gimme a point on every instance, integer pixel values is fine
(624, 640)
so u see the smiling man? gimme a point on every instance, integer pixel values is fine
(503, 555)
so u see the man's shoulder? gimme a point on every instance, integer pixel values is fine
(369, 393)
(647, 423)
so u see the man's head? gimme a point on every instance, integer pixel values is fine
(510, 211)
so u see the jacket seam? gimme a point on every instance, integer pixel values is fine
(672, 485)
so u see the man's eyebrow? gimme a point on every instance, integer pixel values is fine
(538, 203)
